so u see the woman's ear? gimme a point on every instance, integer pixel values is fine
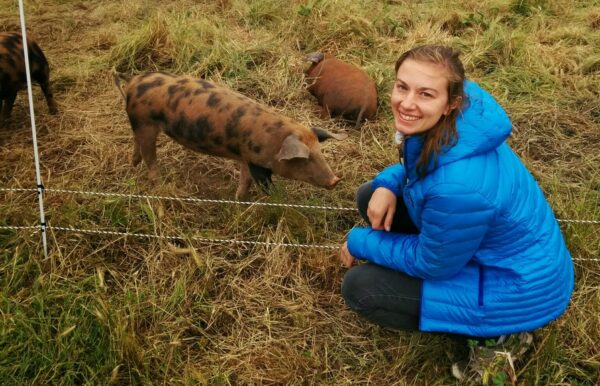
(453, 105)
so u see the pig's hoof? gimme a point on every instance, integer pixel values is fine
(241, 194)
(240, 197)
(152, 175)
(136, 159)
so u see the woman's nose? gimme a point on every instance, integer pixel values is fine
(408, 101)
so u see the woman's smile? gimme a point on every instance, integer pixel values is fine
(407, 117)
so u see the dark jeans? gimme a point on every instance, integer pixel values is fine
(383, 296)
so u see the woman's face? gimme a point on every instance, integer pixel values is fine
(419, 96)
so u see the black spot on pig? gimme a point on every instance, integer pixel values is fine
(12, 42)
(135, 124)
(231, 128)
(205, 84)
(174, 89)
(11, 62)
(200, 130)
(234, 149)
(213, 100)
(217, 140)
(178, 128)
(175, 102)
(143, 87)
(158, 116)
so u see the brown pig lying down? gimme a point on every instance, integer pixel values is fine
(12, 71)
(215, 120)
(342, 89)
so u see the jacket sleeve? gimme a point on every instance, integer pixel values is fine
(393, 178)
(453, 224)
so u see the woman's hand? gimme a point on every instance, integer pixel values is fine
(345, 257)
(382, 207)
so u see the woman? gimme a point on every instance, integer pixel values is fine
(462, 240)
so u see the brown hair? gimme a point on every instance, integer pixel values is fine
(444, 132)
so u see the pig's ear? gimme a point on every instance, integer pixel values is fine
(315, 57)
(292, 147)
(323, 134)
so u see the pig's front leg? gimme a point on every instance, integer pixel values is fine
(262, 176)
(245, 181)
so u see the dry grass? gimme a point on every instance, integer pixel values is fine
(125, 310)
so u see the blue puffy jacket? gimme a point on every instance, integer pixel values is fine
(490, 251)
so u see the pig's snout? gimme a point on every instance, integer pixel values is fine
(333, 182)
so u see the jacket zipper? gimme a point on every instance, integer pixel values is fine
(480, 297)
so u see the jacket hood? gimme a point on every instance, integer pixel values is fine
(482, 126)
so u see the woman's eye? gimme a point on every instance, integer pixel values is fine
(427, 95)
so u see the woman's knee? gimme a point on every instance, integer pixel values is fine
(368, 290)
(359, 283)
(352, 285)
(363, 196)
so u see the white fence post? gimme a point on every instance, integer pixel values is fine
(40, 187)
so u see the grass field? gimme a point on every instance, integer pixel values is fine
(126, 310)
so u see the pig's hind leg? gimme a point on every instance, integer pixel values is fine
(52, 107)
(137, 153)
(9, 100)
(145, 146)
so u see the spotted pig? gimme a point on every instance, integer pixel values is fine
(215, 120)
(342, 89)
(12, 71)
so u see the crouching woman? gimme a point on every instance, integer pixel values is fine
(461, 237)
